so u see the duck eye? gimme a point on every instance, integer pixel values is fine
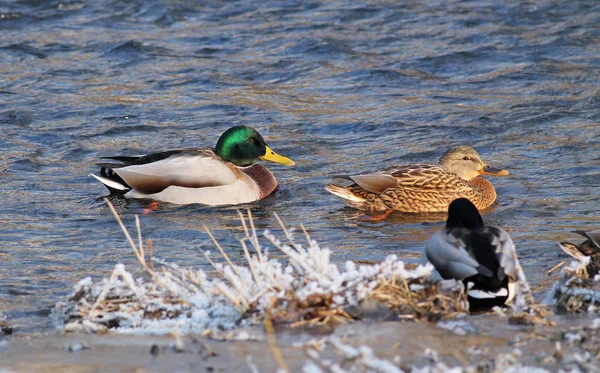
(466, 158)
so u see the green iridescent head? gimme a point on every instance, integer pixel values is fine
(242, 146)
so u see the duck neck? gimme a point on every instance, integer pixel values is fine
(488, 193)
(264, 179)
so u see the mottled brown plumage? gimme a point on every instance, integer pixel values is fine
(589, 247)
(423, 188)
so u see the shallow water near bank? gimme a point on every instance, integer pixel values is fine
(337, 86)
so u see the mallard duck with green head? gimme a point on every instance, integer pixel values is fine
(422, 188)
(225, 175)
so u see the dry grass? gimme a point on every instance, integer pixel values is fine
(536, 314)
(577, 294)
(305, 289)
(422, 299)
(431, 301)
(575, 291)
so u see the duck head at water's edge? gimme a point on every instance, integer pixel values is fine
(227, 175)
(484, 256)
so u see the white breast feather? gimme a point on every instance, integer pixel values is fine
(241, 191)
(482, 294)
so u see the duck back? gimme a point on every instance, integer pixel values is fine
(490, 284)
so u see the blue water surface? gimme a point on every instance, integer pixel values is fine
(338, 86)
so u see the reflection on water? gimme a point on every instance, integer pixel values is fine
(340, 87)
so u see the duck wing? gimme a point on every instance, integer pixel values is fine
(190, 168)
(461, 253)
(448, 253)
(155, 157)
(593, 237)
(572, 250)
(429, 177)
(506, 253)
(485, 257)
(422, 177)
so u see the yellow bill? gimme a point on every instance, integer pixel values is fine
(271, 156)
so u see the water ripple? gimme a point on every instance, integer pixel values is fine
(338, 86)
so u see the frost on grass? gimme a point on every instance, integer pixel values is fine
(156, 307)
(305, 288)
(575, 291)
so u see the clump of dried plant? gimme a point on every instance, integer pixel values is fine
(305, 288)
(575, 291)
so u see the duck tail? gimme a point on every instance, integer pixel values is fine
(350, 199)
(571, 250)
(112, 181)
(485, 299)
(344, 193)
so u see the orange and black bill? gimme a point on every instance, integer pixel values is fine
(488, 170)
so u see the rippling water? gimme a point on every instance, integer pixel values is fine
(337, 86)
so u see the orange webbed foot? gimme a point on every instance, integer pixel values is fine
(153, 206)
(385, 214)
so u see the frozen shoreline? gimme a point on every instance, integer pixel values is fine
(486, 337)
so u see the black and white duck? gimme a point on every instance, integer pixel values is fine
(468, 251)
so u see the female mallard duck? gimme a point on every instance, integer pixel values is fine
(588, 248)
(423, 187)
(468, 251)
(226, 175)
